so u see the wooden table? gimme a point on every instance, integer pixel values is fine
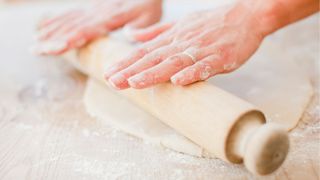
(45, 132)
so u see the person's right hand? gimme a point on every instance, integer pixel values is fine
(75, 28)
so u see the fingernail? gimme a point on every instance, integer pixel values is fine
(112, 85)
(127, 31)
(137, 81)
(80, 42)
(56, 46)
(118, 82)
(175, 80)
(108, 72)
(52, 47)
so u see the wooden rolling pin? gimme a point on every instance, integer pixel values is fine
(224, 125)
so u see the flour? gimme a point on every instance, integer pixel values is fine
(206, 73)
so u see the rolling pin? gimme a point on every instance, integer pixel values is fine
(221, 123)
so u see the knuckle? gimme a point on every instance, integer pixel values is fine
(194, 51)
(154, 57)
(151, 76)
(127, 73)
(204, 64)
(139, 53)
(118, 16)
(205, 72)
(176, 61)
(120, 64)
(230, 66)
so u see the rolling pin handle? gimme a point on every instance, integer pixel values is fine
(266, 149)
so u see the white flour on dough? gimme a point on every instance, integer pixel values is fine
(273, 82)
(110, 108)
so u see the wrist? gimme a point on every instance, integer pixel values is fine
(243, 14)
(269, 15)
(262, 15)
(157, 1)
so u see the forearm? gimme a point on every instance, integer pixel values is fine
(275, 14)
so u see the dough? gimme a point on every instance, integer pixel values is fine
(112, 109)
(270, 80)
(273, 82)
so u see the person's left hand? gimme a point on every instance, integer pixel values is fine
(75, 28)
(195, 48)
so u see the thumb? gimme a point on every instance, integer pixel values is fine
(146, 34)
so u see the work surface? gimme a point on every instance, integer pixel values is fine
(46, 133)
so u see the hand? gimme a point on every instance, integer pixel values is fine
(75, 28)
(195, 48)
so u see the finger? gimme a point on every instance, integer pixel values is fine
(75, 39)
(119, 80)
(61, 44)
(57, 47)
(202, 70)
(49, 21)
(147, 34)
(121, 18)
(84, 35)
(199, 52)
(136, 55)
(48, 48)
(161, 72)
(79, 24)
(48, 31)
(142, 21)
(68, 28)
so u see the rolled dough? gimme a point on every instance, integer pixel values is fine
(270, 80)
